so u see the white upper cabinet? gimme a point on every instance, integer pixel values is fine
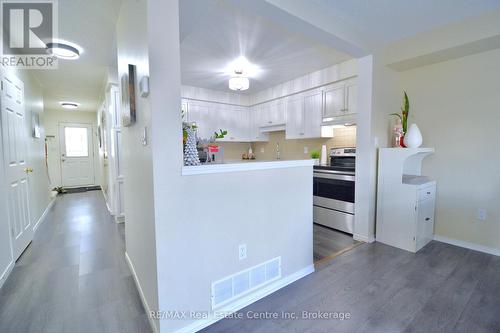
(334, 100)
(256, 120)
(273, 113)
(351, 91)
(301, 115)
(199, 113)
(340, 99)
(313, 107)
(304, 115)
(235, 120)
(212, 117)
(295, 122)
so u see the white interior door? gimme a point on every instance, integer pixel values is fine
(16, 170)
(77, 155)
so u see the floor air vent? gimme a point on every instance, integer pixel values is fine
(226, 290)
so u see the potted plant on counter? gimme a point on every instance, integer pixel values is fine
(315, 154)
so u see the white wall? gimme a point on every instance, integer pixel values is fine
(456, 106)
(138, 168)
(38, 180)
(51, 121)
(200, 220)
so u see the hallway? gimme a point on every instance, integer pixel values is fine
(73, 277)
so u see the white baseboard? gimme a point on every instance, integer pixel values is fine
(365, 239)
(247, 300)
(45, 212)
(152, 322)
(6, 273)
(467, 245)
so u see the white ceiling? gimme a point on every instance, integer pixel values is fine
(90, 24)
(375, 24)
(214, 33)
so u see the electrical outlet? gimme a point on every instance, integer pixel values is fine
(481, 214)
(306, 150)
(242, 251)
(262, 150)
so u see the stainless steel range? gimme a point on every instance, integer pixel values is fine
(334, 190)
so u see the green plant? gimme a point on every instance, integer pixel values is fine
(59, 190)
(220, 135)
(315, 154)
(405, 111)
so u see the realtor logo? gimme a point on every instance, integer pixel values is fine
(27, 26)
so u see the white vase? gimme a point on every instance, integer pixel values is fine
(413, 137)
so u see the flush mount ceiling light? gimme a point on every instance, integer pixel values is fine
(69, 105)
(64, 50)
(238, 81)
(240, 71)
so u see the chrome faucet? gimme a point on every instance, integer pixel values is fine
(278, 151)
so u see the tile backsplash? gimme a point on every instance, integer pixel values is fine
(291, 149)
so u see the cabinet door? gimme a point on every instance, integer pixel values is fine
(313, 105)
(425, 223)
(334, 101)
(351, 98)
(256, 120)
(278, 112)
(234, 120)
(295, 118)
(200, 113)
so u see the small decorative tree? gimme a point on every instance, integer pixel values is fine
(190, 150)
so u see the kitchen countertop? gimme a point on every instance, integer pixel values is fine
(243, 165)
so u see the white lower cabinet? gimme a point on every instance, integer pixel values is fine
(424, 221)
(405, 199)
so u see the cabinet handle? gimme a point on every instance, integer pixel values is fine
(269, 122)
(428, 192)
(427, 218)
(301, 133)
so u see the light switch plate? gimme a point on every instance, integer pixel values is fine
(144, 137)
(306, 150)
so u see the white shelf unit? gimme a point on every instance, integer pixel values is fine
(405, 199)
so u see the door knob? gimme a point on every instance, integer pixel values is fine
(28, 170)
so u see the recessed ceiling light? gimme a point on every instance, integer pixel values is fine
(69, 105)
(64, 50)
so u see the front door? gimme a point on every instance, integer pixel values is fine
(15, 138)
(77, 156)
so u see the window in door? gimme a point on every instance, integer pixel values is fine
(76, 141)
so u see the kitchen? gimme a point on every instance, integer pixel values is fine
(270, 114)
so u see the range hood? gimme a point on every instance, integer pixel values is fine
(347, 120)
(329, 124)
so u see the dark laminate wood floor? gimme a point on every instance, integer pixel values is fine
(73, 277)
(441, 289)
(328, 242)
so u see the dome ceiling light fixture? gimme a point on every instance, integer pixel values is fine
(64, 50)
(239, 71)
(238, 81)
(69, 105)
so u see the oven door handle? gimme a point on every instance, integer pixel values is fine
(333, 176)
